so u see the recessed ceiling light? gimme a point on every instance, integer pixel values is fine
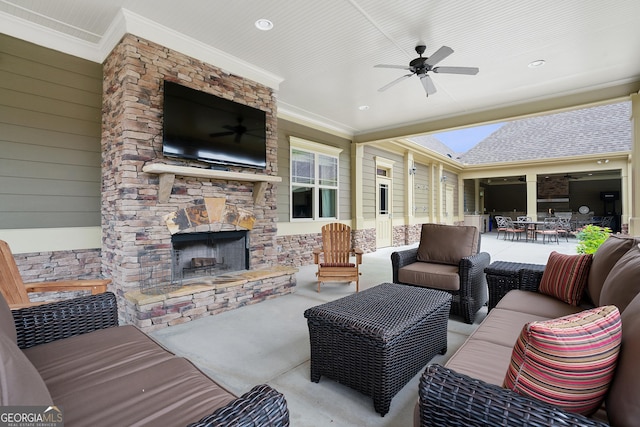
(537, 63)
(363, 107)
(264, 24)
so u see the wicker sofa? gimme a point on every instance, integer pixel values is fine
(73, 354)
(468, 390)
(448, 258)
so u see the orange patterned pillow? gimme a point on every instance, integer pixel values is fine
(565, 277)
(567, 362)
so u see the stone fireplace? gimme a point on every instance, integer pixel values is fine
(141, 213)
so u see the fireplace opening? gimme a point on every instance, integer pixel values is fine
(209, 254)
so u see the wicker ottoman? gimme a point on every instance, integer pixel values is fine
(503, 276)
(375, 341)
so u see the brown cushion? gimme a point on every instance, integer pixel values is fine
(7, 326)
(565, 277)
(447, 244)
(119, 376)
(603, 261)
(544, 306)
(429, 275)
(567, 362)
(623, 404)
(20, 382)
(622, 283)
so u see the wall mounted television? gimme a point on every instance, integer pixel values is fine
(205, 127)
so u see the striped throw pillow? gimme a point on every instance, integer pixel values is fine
(567, 362)
(565, 277)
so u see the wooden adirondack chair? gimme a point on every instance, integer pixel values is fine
(17, 293)
(335, 265)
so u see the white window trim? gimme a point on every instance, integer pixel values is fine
(315, 148)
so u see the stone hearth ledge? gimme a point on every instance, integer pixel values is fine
(206, 296)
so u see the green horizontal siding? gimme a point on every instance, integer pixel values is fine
(50, 126)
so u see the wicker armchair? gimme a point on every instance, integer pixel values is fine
(448, 398)
(471, 294)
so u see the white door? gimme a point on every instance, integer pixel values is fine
(448, 206)
(384, 235)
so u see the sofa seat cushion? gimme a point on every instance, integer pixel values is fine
(569, 361)
(544, 306)
(565, 277)
(482, 360)
(119, 376)
(487, 352)
(447, 244)
(430, 275)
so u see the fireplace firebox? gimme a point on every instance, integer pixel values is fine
(209, 254)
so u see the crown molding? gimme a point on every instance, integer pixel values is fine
(125, 22)
(165, 36)
(46, 37)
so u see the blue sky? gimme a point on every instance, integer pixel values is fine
(463, 140)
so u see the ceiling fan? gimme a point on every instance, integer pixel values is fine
(422, 65)
(237, 130)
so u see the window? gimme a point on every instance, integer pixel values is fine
(314, 180)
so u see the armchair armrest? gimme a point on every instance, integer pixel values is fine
(401, 258)
(448, 398)
(49, 322)
(261, 406)
(96, 286)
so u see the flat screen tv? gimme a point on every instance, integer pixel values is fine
(205, 127)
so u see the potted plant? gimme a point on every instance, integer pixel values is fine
(591, 237)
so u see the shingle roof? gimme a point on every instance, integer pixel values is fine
(434, 144)
(601, 129)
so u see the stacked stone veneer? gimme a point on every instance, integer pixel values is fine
(59, 265)
(151, 312)
(406, 234)
(132, 217)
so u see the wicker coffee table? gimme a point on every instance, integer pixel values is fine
(375, 341)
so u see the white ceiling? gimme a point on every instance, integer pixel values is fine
(320, 54)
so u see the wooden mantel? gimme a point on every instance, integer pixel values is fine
(168, 174)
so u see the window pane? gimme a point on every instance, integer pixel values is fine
(302, 202)
(328, 170)
(384, 199)
(328, 203)
(302, 167)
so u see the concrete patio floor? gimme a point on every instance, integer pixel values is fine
(268, 342)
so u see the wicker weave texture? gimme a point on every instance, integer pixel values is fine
(503, 276)
(377, 340)
(472, 294)
(261, 406)
(49, 322)
(448, 398)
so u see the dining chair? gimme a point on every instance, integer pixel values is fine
(511, 228)
(549, 230)
(501, 225)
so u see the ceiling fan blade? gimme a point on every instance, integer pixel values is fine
(428, 85)
(217, 134)
(472, 71)
(439, 55)
(398, 80)
(401, 67)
